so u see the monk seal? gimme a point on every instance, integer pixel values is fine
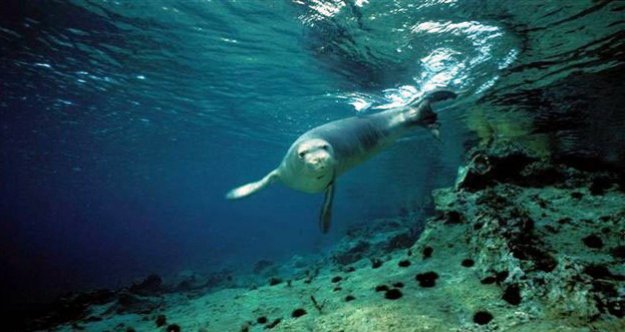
(319, 156)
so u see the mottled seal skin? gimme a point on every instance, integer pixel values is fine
(319, 156)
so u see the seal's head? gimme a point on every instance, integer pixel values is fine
(316, 157)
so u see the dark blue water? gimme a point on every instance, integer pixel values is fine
(124, 123)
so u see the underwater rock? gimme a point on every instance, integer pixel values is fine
(219, 278)
(467, 262)
(100, 296)
(512, 295)
(72, 307)
(616, 307)
(604, 283)
(173, 328)
(453, 217)
(262, 265)
(93, 319)
(403, 263)
(273, 324)
(381, 288)
(483, 169)
(602, 272)
(299, 262)
(336, 279)
(577, 195)
(427, 252)
(520, 225)
(187, 281)
(298, 313)
(160, 320)
(567, 289)
(393, 294)
(520, 231)
(618, 252)
(130, 303)
(600, 184)
(376, 263)
(593, 241)
(373, 240)
(151, 285)
(401, 241)
(353, 254)
(274, 281)
(488, 280)
(501, 276)
(509, 225)
(427, 279)
(77, 327)
(482, 317)
(542, 259)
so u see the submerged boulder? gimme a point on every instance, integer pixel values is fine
(352, 254)
(130, 303)
(151, 285)
(262, 265)
(536, 230)
(187, 281)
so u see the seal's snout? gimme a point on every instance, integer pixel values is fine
(318, 162)
(316, 156)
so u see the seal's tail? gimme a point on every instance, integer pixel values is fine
(421, 112)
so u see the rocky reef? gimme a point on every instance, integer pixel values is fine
(548, 234)
(519, 243)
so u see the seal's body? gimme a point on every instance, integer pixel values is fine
(319, 156)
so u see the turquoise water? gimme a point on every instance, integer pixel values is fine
(123, 124)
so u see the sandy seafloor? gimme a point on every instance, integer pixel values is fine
(519, 244)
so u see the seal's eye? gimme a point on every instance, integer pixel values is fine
(301, 154)
(325, 147)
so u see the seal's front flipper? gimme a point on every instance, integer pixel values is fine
(253, 187)
(326, 210)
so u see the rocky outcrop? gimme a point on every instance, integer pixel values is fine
(543, 232)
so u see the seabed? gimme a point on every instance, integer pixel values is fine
(519, 244)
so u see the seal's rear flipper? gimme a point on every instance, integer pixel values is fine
(440, 95)
(252, 187)
(326, 211)
(421, 112)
